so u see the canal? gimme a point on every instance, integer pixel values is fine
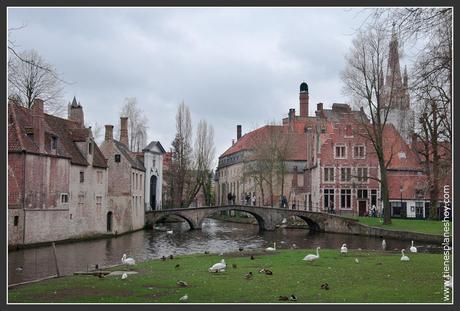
(215, 237)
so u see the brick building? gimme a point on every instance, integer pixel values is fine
(126, 186)
(57, 177)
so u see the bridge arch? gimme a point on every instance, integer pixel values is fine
(312, 224)
(189, 221)
(261, 221)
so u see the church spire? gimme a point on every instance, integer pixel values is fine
(393, 78)
(405, 77)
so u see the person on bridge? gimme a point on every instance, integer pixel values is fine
(253, 199)
(248, 198)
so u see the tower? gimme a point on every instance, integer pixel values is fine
(303, 99)
(76, 113)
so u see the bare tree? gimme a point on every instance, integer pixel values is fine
(137, 124)
(31, 77)
(363, 79)
(98, 132)
(182, 154)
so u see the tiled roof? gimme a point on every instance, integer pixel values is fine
(153, 144)
(409, 183)
(402, 156)
(297, 142)
(135, 163)
(64, 129)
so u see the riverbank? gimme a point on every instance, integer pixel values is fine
(291, 224)
(378, 277)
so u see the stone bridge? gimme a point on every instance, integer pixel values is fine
(267, 217)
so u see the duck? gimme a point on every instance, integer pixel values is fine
(325, 286)
(356, 260)
(182, 283)
(240, 249)
(184, 298)
(248, 275)
(283, 298)
(384, 244)
(177, 266)
(292, 298)
(252, 257)
(163, 258)
(413, 249)
(312, 257)
(171, 257)
(124, 276)
(344, 249)
(218, 267)
(206, 252)
(268, 272)
(128, 261)
(271, 249)
(404, 257)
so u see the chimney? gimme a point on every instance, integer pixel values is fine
(319, 106)
(76, 113)
(238, 132)
(108, 132)
(38, 122)
(291, 114)
(124, 131)
(303, 99)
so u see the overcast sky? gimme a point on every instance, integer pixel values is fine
(229, 65)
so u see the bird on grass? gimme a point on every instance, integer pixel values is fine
(344, 249)
(384, 244)
(218, 267)
(234, 266)
(283, 298)
(182, 283)
(206, 252)
(413, 249)
(325, 286)
(312, 257)
(404, 257)
(184, 298)
(248, 276)
(292, 298)
(128, 260)
(124, 276)
(163, 258)
(356, 260)
(262, 270)
(252, 257)
(268, 272)
(177, 266)
(171, 257)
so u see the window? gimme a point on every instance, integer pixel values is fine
(362, 193)
(90, 147)
(328, 174)
(54, 140)
(82, 177)
(362, 174)
(81, 199)
(99, 177)
(345, 198)
(64, 198)
(117, 158)
(358, 152)
(16, 221)
(153, 163)
(98, 202)
(328, 199)
(340, 152)
(374, 197)
(345, 174)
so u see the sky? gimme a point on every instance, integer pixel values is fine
(229, 65)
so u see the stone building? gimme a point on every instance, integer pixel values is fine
(126, 182)
(57, 177)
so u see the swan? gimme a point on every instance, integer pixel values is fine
(404, 257)
(413, 249)
(271, 249)
(312, 257)
(248, 276)
(284, 221)
(128, 261)
(356, 260)
(124, 276)
(384, 244)
(182, 283)
(218, 266)
(169, 232)
(184, 298)
(344, 249)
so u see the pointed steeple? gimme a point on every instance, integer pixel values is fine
(393, 77)
(74, 102)
(405, 78)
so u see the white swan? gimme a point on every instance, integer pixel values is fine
(169, 232)
(356, 260)
(271, 249)
(124, 276)
(344, 249)
(413, 249)
(312, 257)
(404, 257)
(184, 298)
(218, 267)
(128, 261)
(384, 244)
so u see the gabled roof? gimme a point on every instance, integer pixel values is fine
(395, 148)
(153, 144)
(135, 163)
(21, 121)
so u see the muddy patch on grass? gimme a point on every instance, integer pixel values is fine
(68, 294)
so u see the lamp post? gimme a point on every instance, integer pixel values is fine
(400, 191)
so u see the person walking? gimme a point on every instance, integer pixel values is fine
(253, 199)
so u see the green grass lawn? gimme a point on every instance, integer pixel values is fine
(414, 225)
(378, 277)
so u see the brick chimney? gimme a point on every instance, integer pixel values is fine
(303, 99)
(38, 122)
(124, 130)
(108, 132)
(238, 132)
(76, 113)
(291, 114)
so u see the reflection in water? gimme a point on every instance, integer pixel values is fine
(216, 236)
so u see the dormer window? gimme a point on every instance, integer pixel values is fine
(117, 158)
(90, 147)
(54, 141)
